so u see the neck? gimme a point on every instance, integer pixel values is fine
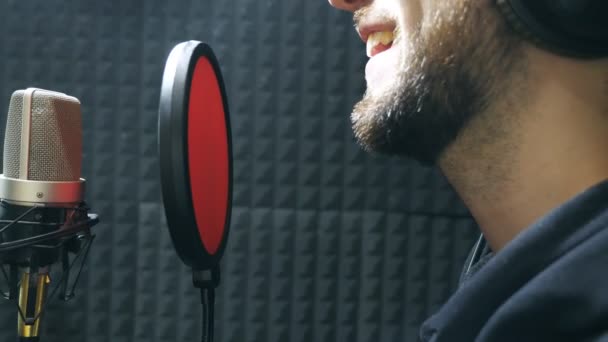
(534, 156)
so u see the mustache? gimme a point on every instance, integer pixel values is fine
(359, 14)
(369, 13)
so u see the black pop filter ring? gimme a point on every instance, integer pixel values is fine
(176, 182)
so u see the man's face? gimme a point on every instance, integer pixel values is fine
(434, 65)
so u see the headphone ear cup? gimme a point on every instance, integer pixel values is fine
(577, 28)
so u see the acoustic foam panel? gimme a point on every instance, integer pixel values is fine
(327, 242)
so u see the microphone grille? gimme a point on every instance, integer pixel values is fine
(12, 137)
(55, 136)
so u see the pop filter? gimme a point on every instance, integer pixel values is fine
(195, 151)
(195, 154)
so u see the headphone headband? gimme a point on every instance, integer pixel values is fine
(570, 27)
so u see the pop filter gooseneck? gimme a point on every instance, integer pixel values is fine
(195, 150)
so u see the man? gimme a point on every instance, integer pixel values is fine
(519, 126)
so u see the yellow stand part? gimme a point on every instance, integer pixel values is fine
(24, 329)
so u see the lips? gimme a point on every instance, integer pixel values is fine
(378, 36)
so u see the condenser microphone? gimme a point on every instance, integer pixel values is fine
(43, 215)
(195, 151)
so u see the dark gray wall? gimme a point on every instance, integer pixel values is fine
(327, 243)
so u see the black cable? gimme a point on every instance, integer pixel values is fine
(207, 280)
(208, 302)
(205, 322)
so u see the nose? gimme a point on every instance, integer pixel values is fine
(349, 5)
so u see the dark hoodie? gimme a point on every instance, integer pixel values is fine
(549, 284)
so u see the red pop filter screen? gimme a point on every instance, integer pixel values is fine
(195, 150)
(208, 155)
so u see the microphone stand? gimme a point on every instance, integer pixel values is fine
(32, 301)
(207, 281)
(31, 240)
(28, 326)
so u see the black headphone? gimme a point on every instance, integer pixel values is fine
(577, 28)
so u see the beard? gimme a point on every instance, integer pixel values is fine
(456, 66)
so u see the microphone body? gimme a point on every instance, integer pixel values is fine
(42, 209)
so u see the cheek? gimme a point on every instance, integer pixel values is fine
(428, 11)
(428, 6)
(411, 13)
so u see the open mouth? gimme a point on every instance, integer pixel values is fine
(378, 42)
(380, 34)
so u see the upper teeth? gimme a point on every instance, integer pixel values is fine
(376, 38)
